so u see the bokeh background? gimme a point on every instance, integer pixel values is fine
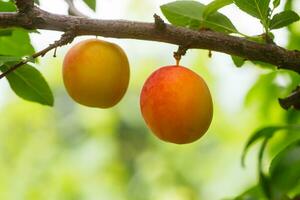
(72, 152)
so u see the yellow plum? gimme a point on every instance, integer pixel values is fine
(96, 73)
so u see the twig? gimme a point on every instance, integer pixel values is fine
(179, 53)
(66, 38)
(293, 100)
(209, 53)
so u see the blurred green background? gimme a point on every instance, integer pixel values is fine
(72, 152)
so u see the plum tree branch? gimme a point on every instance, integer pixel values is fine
(205, 39)
(66, 38)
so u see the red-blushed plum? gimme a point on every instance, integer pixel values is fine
(176, 104)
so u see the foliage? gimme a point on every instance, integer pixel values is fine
(190, 14)
(283, 18)
(91, 4)
(28, 83)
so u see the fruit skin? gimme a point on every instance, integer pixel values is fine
(96, 73)
(176, 104)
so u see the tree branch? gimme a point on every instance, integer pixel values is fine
(66, 38)
(269, 53)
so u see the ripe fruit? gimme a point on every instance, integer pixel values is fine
(96, 73)
(176, 104)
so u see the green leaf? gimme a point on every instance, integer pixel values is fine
(189, 14)
(183, 13)
(37, 2)
(91, 4)
(253, 193)
(285, 169)
(276, 3)
(214, 6)
(263, 179)
(18, 44)
(266, 182)
(266, 90)
(219, 22)
(29, 84)
(256, 8)
(283, 19)
(7, 6)
(266, 132)
(5, 59)
(238, 61)
(6, 32)
(288, 5)
(271, 35)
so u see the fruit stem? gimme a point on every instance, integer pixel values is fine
(177, 62)
(180, 52)
(177, 58)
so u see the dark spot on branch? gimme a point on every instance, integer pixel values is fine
(159, 22)
(24, 6)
